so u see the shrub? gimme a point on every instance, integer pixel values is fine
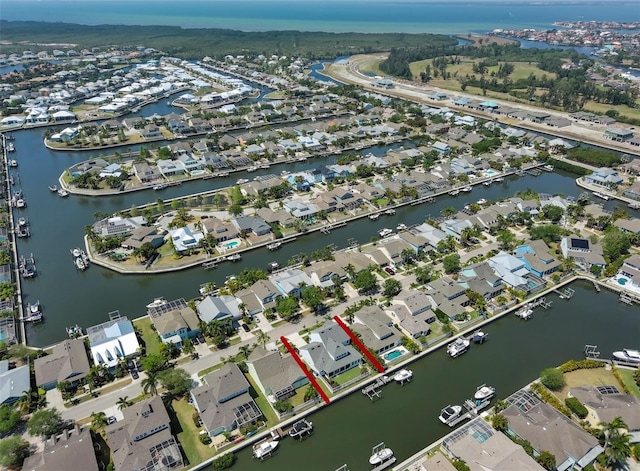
(576, 407)
(224, 461)
(553, 379)
(573, 365)
(635, 451)
(461, 465)
(205, 439)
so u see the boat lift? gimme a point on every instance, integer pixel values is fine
(566, 293)
(591, 352)
(373, 390)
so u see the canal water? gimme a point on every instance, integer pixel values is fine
(406, 417)
(69, 296)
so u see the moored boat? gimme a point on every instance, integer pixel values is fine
(390, 211)
(35, 308)
(374, 216)
(273, 266)
(274, 245)
(80, 265)
(525, 312)
(385, 232)
(484, 392)
(160, 186)
(479, 336)
(74, 331)
(62, 193)
(466, 189)
(380, 454)
(597, 194)
(403, 375)
(401, 227)
(301, 428)
(157, 302)
(264, 449)
(627, 355)
(76, 252)
(458, 347)
(53, 188)
(449, 414)
(235, 257)
(633, 205)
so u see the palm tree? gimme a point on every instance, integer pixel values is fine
(150, 384)
(263, 338)
(98, 421)
(123, 402)
(245, 350)
(617, 446)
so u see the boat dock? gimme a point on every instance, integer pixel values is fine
(424, 199)
(373, 390)
(473, 410)
(566, 293)
(327, 229)
(28, 266)
(542, 302)
(628, 298)
(385, 465)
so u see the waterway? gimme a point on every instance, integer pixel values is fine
(406, 418)
(69, 297)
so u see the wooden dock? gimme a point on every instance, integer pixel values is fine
(373, 391)
(566, 293)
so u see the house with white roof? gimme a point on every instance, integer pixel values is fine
(604, 177)
(510, 269)
(13, 382)
(291, 282)
(169, 168)
(113, 340)
(329, 351)
(184, 238)
(219, 308)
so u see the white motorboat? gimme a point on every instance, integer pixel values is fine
(498, 179)
(157, 302)
(76, 252)
(264, 449)
(454, 192)
(403, 376)
(484, 392)
(449, 414)
(525, 312)
(222, 174)
(53, 188)
(597, 194)
(548, 168)
(479, 336)
(466, 189)
(385, 232)
(160, 186)
(301, 428)
(390, 211)
(80, 265)
(274, 245)
(241, 181)
(20, 203)
(458, 347)
(62, 193)
(487, 182)
(22, 221)
(234, 258)
(273, 266)
(13, 163)
(380, 454)
(252, 169)
(628, 356)
(633, 205)
(482, 201)
(401, 227)
(374, 216)
(34, 308)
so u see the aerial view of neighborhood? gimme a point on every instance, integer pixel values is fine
(307, 248)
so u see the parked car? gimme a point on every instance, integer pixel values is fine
(134, 374)
(111, 420)
(246, 328)
(390, 270)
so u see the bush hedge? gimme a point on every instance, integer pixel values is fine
(576, 407)
(573, 365)
(549, 398)
(553, 378)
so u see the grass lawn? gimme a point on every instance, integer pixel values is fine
(436, 331)
(278, 323)
(263, 403)
(627, 379)
(150, 337)
(371, 65)
(602, 108)
(187, 432)
(593, 376)
(210, 369)
(299, 397)
(347, 375)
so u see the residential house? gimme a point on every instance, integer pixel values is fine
(73, 449)
(112, 341)
(375, 329)
(142, 441)
(605, 403)
(220, 308)
(460, 166)
(151, 131)
(277, 376)
(300, 208)
(483, 448)
(546, 429)
(67, 362)
(537, 258)
(253, 224)
(324, 273)
(628, 225)
(141, 236)
(329, 352)
(481, 278)
(184, 238)
(604, 177)
(13, 382)
(631, 269)
(396, 250)
(190, 164)
(219, 230)
(585, 253)
(455, 227)
(431, 234)
(223, 401)
(146, 173)
(266, 292)
(175, 322)
(170, 168)
(412, 312)
(291, 282)
(510, 269)
(279, 217)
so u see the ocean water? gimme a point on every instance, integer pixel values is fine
(408, 16)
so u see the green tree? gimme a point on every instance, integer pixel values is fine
(553, 379)
(460, 465)
(263, 338)
(546, 460)
(283, 406)
(223, 462)
(153, 362)
(507, 239)
(9, 418)
(287, 307)
(365, 281)
(187, 347)
(615, 243)
(245, 351)
(44, 423)
(423, 274)
(313, 297)
(176, 381)
(552, 212)
(98, 421)
(499, 422)
(13, 451)
(150, 384)
(617, 445)
(391, 287)
(310, 393)
(123, 402)
(451, 263)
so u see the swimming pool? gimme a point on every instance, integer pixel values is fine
(491, 172)
(232, 244)
(392, 355)
(622, 281)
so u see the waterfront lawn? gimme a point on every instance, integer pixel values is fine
(269, 414)
(347, 376)
(150, 337)
(627, 379)
(592, 376)
(602, 108)
(298, 399)
(181, 414)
